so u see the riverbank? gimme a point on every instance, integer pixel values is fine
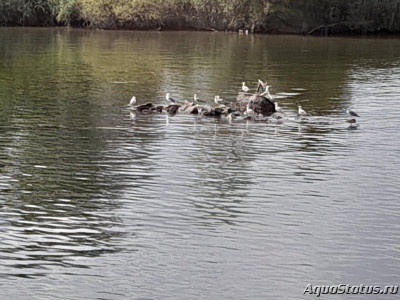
(259, 16)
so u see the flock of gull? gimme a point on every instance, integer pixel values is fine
(248, 113)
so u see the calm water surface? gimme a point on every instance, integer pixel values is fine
(95, 205)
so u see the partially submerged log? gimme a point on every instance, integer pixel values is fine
(190, 108)
(259, 104)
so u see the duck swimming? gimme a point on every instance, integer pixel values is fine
(301, 111)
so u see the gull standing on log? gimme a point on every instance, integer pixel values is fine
(169, 98)
(133, 101)
(197, 99)
(244, 87)
(218, 100)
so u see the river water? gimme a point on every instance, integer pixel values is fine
(97, 205)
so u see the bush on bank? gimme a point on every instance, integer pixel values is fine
(286, 16)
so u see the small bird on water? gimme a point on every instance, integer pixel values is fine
(301, 111)
(244, 87)
(249, 111)
(133, 101)
(278, 108)
(351, 113)
(167, 96)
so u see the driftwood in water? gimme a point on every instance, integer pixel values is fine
(329, 29)
(259, 104)
(190, 108)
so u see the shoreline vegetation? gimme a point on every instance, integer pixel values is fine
(313, 17)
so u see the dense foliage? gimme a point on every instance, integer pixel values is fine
(298, 16)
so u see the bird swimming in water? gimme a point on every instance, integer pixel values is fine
(244, 87)
(351, 113)
(231, 116)
(249, 112)
(167, 96)
(133, 101)
(301, 111)
(278, 108)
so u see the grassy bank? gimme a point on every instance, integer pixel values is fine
(320, 17)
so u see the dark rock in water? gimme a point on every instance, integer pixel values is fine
(218, 111)
(212, 112)
(172, 108)
(192, 110)
(259, 104)
(144, 108)
(159, 108)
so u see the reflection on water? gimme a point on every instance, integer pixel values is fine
(98, 203)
